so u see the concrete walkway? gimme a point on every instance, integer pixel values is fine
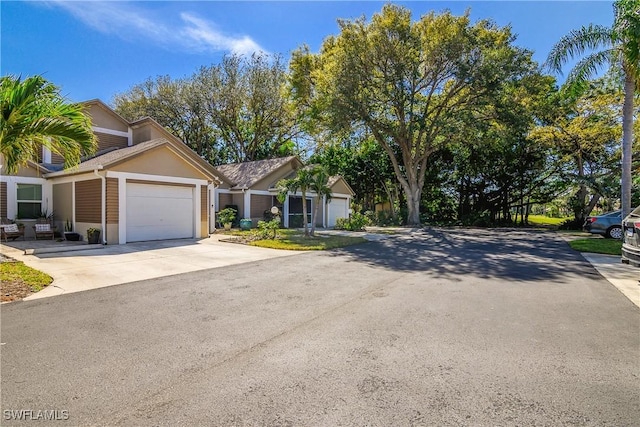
(624, 277)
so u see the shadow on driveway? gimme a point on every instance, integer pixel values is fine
(519, 255)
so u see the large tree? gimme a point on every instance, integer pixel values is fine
(234, 111)
(618, 47)
(583, 135)
(33, 114)
(402, 80)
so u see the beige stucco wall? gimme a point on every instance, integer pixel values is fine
(160, 161)
(340, 187)
(147, 132)
(106, 119)
(62, 204)
(112, 234)
(272, 179)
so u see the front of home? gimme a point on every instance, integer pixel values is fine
(144, 184)
(251, 188)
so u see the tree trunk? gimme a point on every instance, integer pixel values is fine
(314, 216)
(304, 214)
(413, 204)
(627, 140)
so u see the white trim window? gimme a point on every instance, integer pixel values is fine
(29, 200)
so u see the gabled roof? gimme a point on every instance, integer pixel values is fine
(115, 156)
(245, 175)
(106, 108)
(110, 158)
(334, 179)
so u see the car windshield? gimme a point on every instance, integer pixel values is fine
(635, 212)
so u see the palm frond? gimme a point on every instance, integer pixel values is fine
(576, 43)
(578, 79)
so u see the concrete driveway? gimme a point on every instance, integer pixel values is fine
(116, 264)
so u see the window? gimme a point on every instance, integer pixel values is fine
(29, 200)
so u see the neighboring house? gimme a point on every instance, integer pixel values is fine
(251, 187)
(142, 184)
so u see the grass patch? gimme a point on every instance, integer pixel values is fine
(17, 280)
(597, 246)
(294, 240)
(545, 220)
(298, 242)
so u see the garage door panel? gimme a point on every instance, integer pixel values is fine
(156, 212)
(337, 209)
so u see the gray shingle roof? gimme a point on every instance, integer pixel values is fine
(245, 175)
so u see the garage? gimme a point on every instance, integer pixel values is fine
(338, 208)
(158, 212)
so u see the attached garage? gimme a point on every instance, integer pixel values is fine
(158, 212)
(338, 208)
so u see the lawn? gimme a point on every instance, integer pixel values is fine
(545, 220)
(18, 280)
(597, 245)
(294, 240)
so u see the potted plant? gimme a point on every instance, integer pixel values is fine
(226, 217)
(69, 235)
(245, 224)
(93, 235)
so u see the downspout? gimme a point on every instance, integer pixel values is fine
(103, 218)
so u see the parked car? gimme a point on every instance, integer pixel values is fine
(631, 238)
(609, 225)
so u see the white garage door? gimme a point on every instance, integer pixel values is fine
(337, 209)
(157, 212)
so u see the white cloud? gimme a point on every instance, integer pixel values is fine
(128, 22)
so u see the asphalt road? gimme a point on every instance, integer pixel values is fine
(445, 327)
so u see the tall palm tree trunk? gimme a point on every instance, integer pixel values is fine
(627, 141)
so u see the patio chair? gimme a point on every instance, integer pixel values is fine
(44, 230)
(11, 231)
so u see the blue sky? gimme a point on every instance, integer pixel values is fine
(98, 49)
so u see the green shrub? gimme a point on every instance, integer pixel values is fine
(356, 222)
(267, 229)
(227, 215)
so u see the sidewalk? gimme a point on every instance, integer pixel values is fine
(624, 277)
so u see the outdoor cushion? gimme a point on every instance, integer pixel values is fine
(42, 227)
(11, 228)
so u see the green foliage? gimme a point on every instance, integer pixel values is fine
(402, 81)
(617, 46)
(234, 111)
(355, 222)
(33, 113)
(267, 229)
(383, 218)
(227, 215)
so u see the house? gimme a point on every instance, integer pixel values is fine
(142, 184)
(251, 188)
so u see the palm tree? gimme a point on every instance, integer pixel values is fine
(320, 186)
(301, 182)
(34, 114)
(618, 47)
